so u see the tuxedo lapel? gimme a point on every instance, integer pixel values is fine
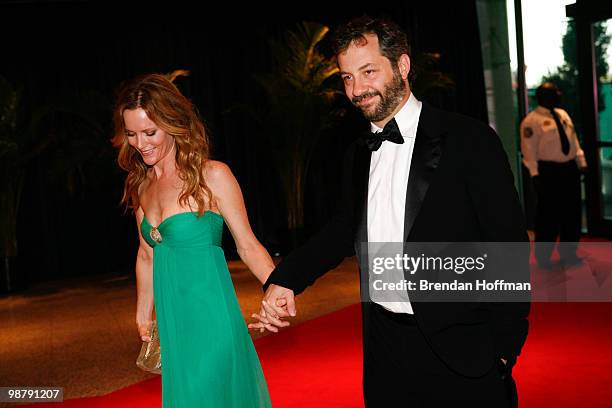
(425, 159)
(361, 178)
(361, 171)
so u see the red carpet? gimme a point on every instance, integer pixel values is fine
(565, 363)
(566, 360)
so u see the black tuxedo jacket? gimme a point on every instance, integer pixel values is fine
(460, 189)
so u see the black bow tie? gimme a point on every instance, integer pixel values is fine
(390, 132)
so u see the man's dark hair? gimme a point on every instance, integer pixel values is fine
(392, 40)
(548, 95)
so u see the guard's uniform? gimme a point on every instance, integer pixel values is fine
(558, 212)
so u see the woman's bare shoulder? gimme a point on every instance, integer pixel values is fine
(216, 172)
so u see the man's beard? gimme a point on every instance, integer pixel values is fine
(390, 97)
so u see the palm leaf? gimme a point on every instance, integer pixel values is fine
(300, 97)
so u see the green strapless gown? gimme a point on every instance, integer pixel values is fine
(208, 357)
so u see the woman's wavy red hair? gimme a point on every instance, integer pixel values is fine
(178, 117)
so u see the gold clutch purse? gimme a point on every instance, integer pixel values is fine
(149, 358)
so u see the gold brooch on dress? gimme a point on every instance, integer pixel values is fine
(155, 235)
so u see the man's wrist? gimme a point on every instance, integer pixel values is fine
(509, 361)
(268, 280)
(266, 284)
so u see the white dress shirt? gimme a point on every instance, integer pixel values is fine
(388, 181)
(540, 139)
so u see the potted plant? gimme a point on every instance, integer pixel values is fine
(300, 92)
(69, 125)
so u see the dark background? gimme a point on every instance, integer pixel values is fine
(82, 51)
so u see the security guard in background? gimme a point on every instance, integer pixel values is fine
(552, 154)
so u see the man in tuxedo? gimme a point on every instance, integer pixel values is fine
(422, 175)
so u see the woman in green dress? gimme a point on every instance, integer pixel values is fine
(181, 199)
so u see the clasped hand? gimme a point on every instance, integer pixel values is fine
(278, 303)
